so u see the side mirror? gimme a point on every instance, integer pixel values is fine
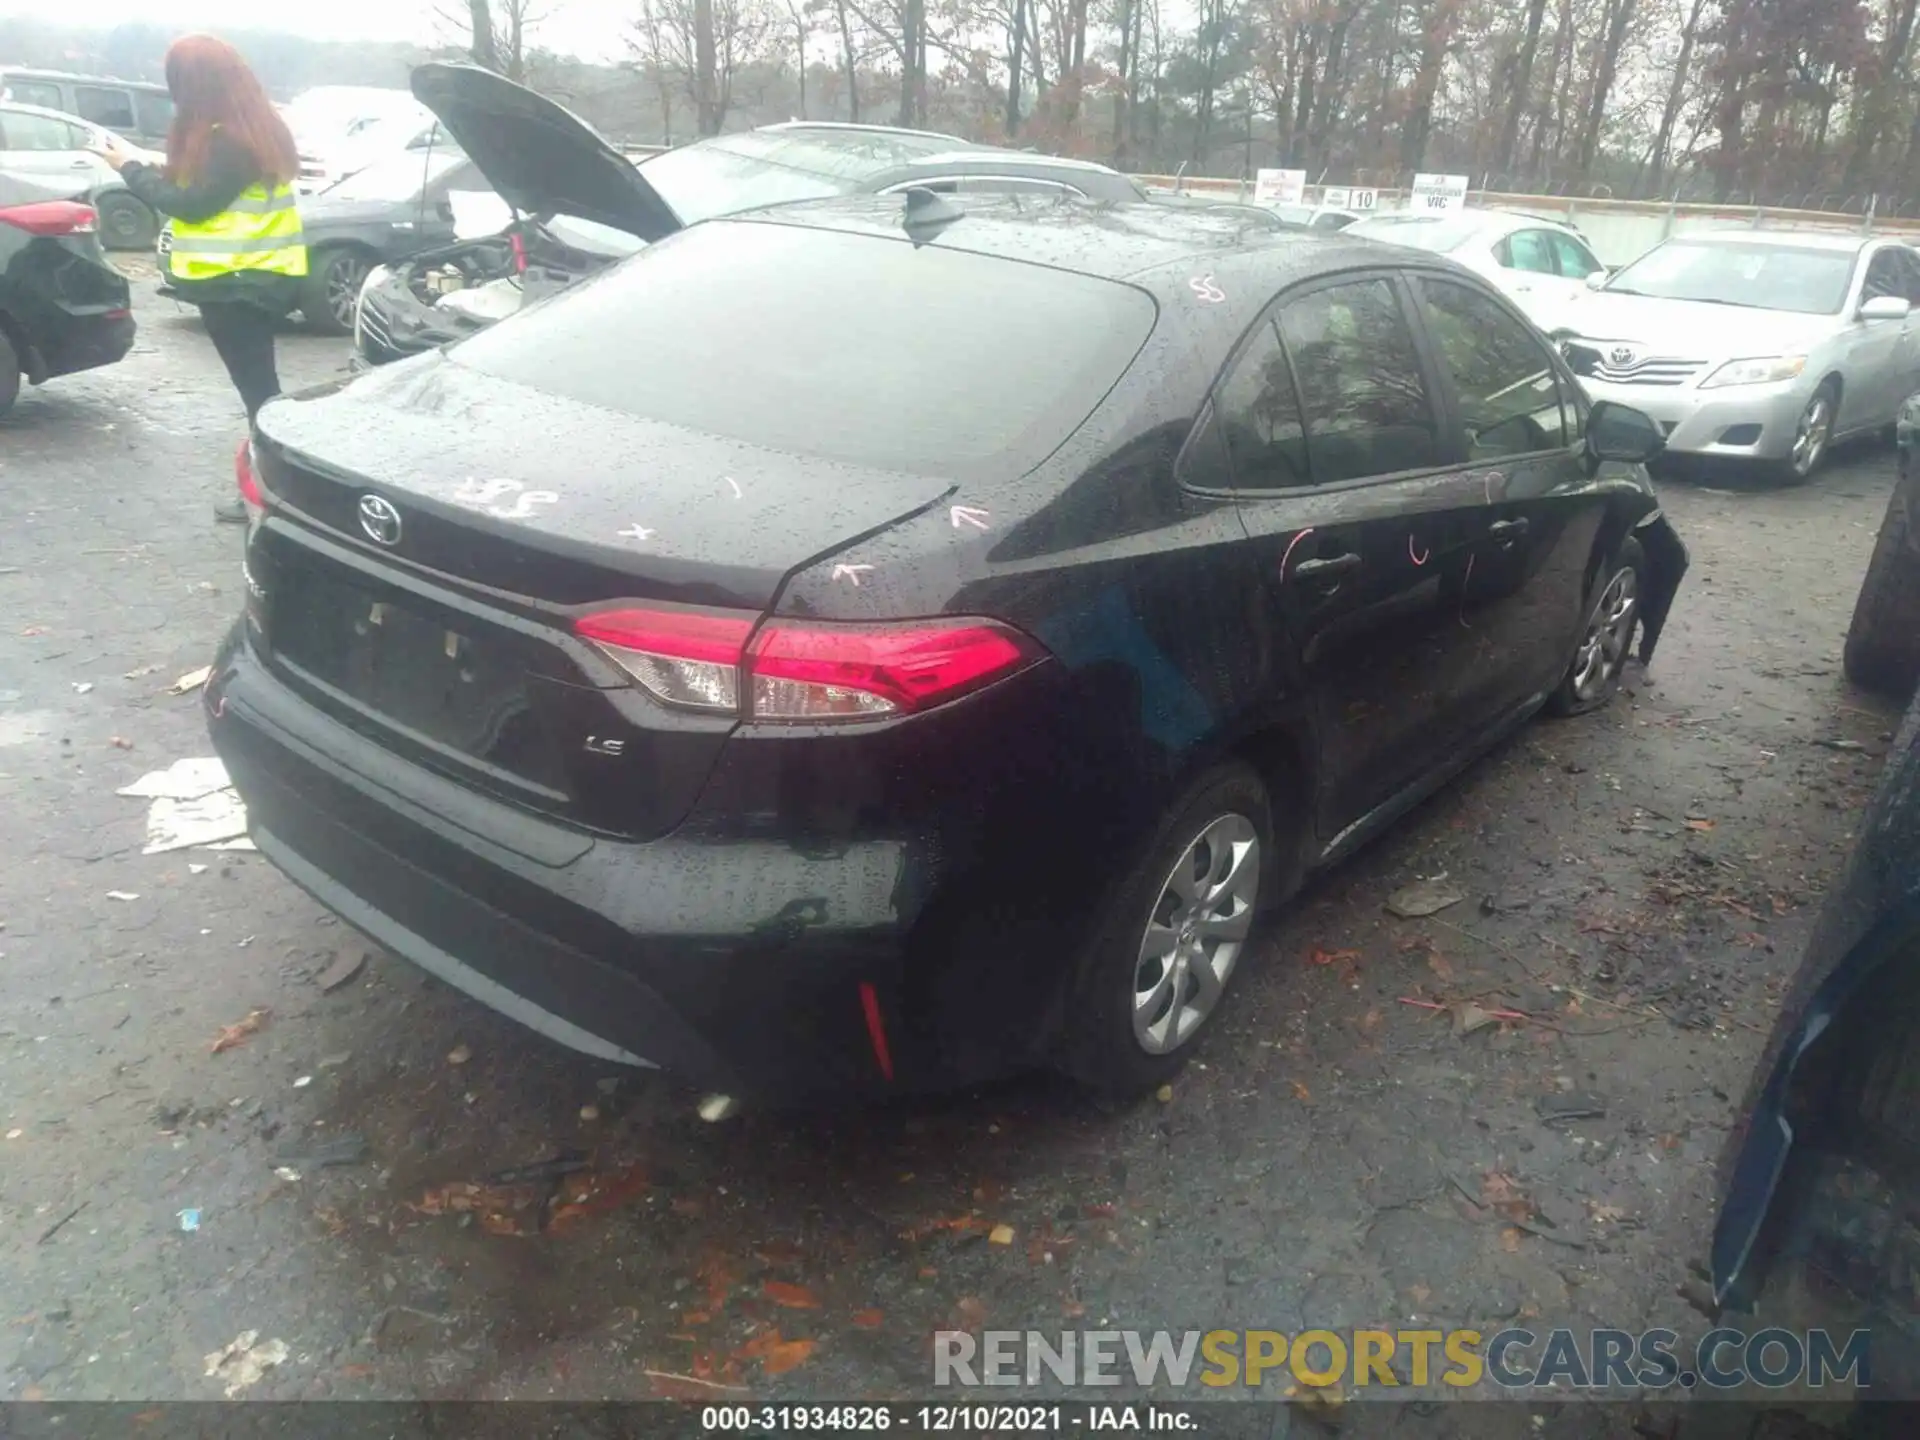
(1619, 432)
(1598, 279)
(1885, 307)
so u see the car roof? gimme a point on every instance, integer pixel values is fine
(847, 126)
(1112, 241)
(1800, 239)
(1491, 222)
(28, 72)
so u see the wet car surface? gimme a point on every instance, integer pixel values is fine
(774, 729)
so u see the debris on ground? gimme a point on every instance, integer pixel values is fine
(1848, 747)
(189, 1220)
(1164, 1094)
(776, 1355)
(240, 1363)
(1318, 956)
(241, 1031)
(191, 681)
(286, 1173)
(342, 1149)
(460, 1055)
(123, 895)
(1572, 1105)
(790, 1297)
(537, 1198)
(346, 965)
(1424, 898)
(1000, 1235)
(194, 804)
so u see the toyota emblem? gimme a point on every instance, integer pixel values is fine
(1621, 355)
(380, 520)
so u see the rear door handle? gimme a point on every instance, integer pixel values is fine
(1327, 568)
(1507, 529)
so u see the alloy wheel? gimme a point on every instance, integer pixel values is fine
(1811, 435)
(1195, 934)
(345, 275)
(1603, 649)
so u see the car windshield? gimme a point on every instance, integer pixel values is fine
(809, 356)
(396, 178)
(731, 173)
(1796, 278)
(1441, 236)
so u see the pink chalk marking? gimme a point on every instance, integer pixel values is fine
(1417, 559)
(1288, 555)
(1465, 585)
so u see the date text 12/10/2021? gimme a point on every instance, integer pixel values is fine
(961, 1419)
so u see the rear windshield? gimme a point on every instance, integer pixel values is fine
(757, 168)
(1421, 233)
(855, 348)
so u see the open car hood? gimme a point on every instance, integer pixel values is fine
(541, 158)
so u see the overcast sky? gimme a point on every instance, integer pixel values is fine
(593, 29)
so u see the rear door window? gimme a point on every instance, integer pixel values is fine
(155, 111)
(1365, 399)
(1257, 411)
(36, 92)
(1508, 389)
(104, 105)
(1575, 260)
(850, 347)
(1528, 250)
(23, 130)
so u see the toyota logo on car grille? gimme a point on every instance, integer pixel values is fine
(1621, 356)
(380, 520)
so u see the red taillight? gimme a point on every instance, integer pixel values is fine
(519, 253)
(50, 217)
(790, 671)
(243, 475)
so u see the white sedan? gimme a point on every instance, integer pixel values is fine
(1541, 264)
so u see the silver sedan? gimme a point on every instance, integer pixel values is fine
(1763, 346)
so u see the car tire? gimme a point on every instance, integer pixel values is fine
(1606, 638)
(1883, 642)
(1151, 980)
(332, 287)
(1814, 429)
(126, 222)
(9, 373)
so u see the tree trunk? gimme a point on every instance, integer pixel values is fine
(480, 13)
(1544, 120)
(705, 100)
(1299, 134)
(800, 53)
(1016, 43)
(1076, 61)
(1129, 59)
(1434, 45)
(1522, 87)
(1676, 96)
(1876, 102)
(1331, 98)
(851, 60)
(1619, 18)
(913, 69)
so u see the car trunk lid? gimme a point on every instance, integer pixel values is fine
(437, 616)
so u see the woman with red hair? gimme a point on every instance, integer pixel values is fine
(237, 250)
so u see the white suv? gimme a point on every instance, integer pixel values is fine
(1542, 265)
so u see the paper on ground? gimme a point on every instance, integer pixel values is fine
(182, 780)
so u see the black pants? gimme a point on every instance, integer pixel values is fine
(242, 334)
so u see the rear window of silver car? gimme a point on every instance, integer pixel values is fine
(731, 173)
(857, 348)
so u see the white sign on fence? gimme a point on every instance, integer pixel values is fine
(1342, 197)
(1279, 187)
(1432, 193)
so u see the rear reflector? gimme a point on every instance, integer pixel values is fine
(243, 475)
(807, 672)
(50, 217)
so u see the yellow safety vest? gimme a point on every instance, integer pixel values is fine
(259, 231)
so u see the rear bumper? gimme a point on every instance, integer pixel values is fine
(87, 343)
(740, 964)
(1749, 422)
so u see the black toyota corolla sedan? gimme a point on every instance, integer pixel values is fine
(887, 642)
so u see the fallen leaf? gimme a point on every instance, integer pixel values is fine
(141, 673)
(1317, 956)
(1699, 824)
(778, 1252)
(1072, 1309)
(330, 1218)
(1502, 1193)
(1370, 1021)
(120, 742)
(971, 1309)
(1469, 1017)
(1419, 1294)
(717, 1275)
(345, 966)
(1510, 1239)
(1604, 1214)
(585, 1194)
(460, 1055)
(787, 1355)
(1302, 1093)
(1000, 1235)
(192, 680)
(1103, 1210)
(355, 1372)
(1437, 963)
(790, 1297)
(687, 1205)
(1164, 1094)
(868, 1319)
(1426, 897)
(239, 1032)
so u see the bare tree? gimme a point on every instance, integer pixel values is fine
(703, 45)
(497, 33)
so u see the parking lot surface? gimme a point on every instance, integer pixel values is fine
(1507, 1111)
